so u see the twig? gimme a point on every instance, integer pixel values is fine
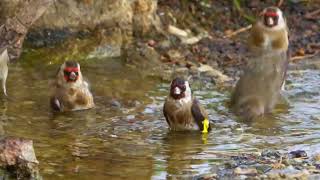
(230, 154)
(278, 165)
(238, 31)
(280, 3)
(310, 14)
(295, 58)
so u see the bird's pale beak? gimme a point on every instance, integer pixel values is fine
(177, 91)
(270, 21)
(73, 76)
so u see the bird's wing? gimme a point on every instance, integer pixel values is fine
(199, 114)
(55, 104)
(165, 113)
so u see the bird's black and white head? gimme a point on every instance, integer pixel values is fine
(272, 18)
(180, 90)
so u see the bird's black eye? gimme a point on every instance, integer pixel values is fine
(67, 73)
(183, 88)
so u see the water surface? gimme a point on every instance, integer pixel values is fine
(126, 136)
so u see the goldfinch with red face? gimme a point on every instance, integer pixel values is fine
(270, 32)
(70, 91)
(258, 89)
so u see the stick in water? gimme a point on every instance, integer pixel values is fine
(4, 59)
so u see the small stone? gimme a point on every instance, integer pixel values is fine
(270, 154)
(115, 103)
(245, 171)
(164, 44)
(174, 54)
(130, 117)
(274, 176)
(299, 175)
(214, 73)
(106, 50)
(148, 110)
(317, 157)
(151, 43)
(193, 69)
(182, 70)
(298, 154)
(207, 177)
(301, 52)
(135, 103)
(254, 4)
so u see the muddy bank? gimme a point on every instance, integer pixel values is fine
(187, 35)
(221, 18)
(110, 28)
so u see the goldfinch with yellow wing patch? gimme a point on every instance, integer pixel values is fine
(182, 111)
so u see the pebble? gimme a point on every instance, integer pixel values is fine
(317, 157)
(298, 154)
(148, 111)
(130, 117)
(245, 171)
(270, 153)
(214, 73)
(115, 103)
(151, 43)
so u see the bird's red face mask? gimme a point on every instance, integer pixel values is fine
(71, 74)
(271, 18)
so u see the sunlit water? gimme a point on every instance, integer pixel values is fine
(131, 140)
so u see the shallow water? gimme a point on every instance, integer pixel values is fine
(126, 136)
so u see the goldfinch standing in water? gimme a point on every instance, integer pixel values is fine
(71, 92)
(258, 90)
(182, 111)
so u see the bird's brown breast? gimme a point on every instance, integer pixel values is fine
(259, 36)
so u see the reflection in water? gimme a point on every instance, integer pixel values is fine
(126, 136)
(181, 150)
(3, 117)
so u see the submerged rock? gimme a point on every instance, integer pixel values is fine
(18, 157)
(214, 73)
(105, 51)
